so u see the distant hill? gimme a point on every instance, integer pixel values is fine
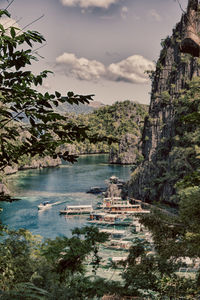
(79, 109)
(122, 121)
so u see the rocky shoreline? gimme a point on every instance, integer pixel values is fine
(40, 163)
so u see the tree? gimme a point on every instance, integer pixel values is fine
(51, 269)
(29, 123)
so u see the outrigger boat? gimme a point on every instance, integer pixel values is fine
(105, 219)
(77, 210)
(114, 233)
(116, 205)
(118, 245)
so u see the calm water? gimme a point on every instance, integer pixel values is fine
(67, 184)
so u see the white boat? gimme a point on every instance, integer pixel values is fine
(121, 245)
(44, 205)
(114, 233)
(116, 205)
(102, 218)
(77, 210)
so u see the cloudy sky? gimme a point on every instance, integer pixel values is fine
(99, 47)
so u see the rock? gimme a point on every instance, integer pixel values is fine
(128, 151)
(4, 190)
(173, 70)
(191, 42)
(113, 191)
(10, 170)
(44, 162)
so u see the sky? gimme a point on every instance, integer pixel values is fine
(100, 47)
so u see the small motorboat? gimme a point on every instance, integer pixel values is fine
(44, 205)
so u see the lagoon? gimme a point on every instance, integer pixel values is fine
(67, 184)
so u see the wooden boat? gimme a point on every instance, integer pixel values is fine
(114, 233)
(116, 205)
(77, 210)
(118, 245)
(96, 190)
(108, 201)
(102, 218)
(125, 207)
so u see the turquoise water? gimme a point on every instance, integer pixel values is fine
(67, 184)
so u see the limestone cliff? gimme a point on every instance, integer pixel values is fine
(128, 151)
(35, 163)
(178, 63)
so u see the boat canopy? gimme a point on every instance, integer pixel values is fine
(78, 206)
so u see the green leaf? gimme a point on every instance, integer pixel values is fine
(32, 121)
(12, 32)
(70, 94)
(58, 95)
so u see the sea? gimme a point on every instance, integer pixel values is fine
(67, 184)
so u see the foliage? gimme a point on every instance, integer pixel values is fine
(177, 236)
(36, 269)
(177, 161)
(108, 125)
(28, 122)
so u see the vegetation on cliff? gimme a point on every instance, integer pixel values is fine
(169, 142)
(114, 122)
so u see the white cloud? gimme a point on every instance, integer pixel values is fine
(81, 68)
(89, 3)
(154, 15)
(124, 12)
(131, 69)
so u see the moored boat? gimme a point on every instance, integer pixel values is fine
(116, 205)
(102, 218)
(114, 233)
(77, 210)
(121, 245)
(96, 190)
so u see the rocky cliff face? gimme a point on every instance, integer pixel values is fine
(128, 151)
(178, 63)
(38, 163)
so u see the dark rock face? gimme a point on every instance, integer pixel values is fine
(128, 151)
(173, 70)
(191, 42)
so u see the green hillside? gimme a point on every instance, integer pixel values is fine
(110, 122)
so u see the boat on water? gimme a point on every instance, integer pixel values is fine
(44, 205)
(108, 201)
(106, 219)
(124, 207)
(96, 190)
(121, 245)
(116, 205)
(114, 233)
(77, 210)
